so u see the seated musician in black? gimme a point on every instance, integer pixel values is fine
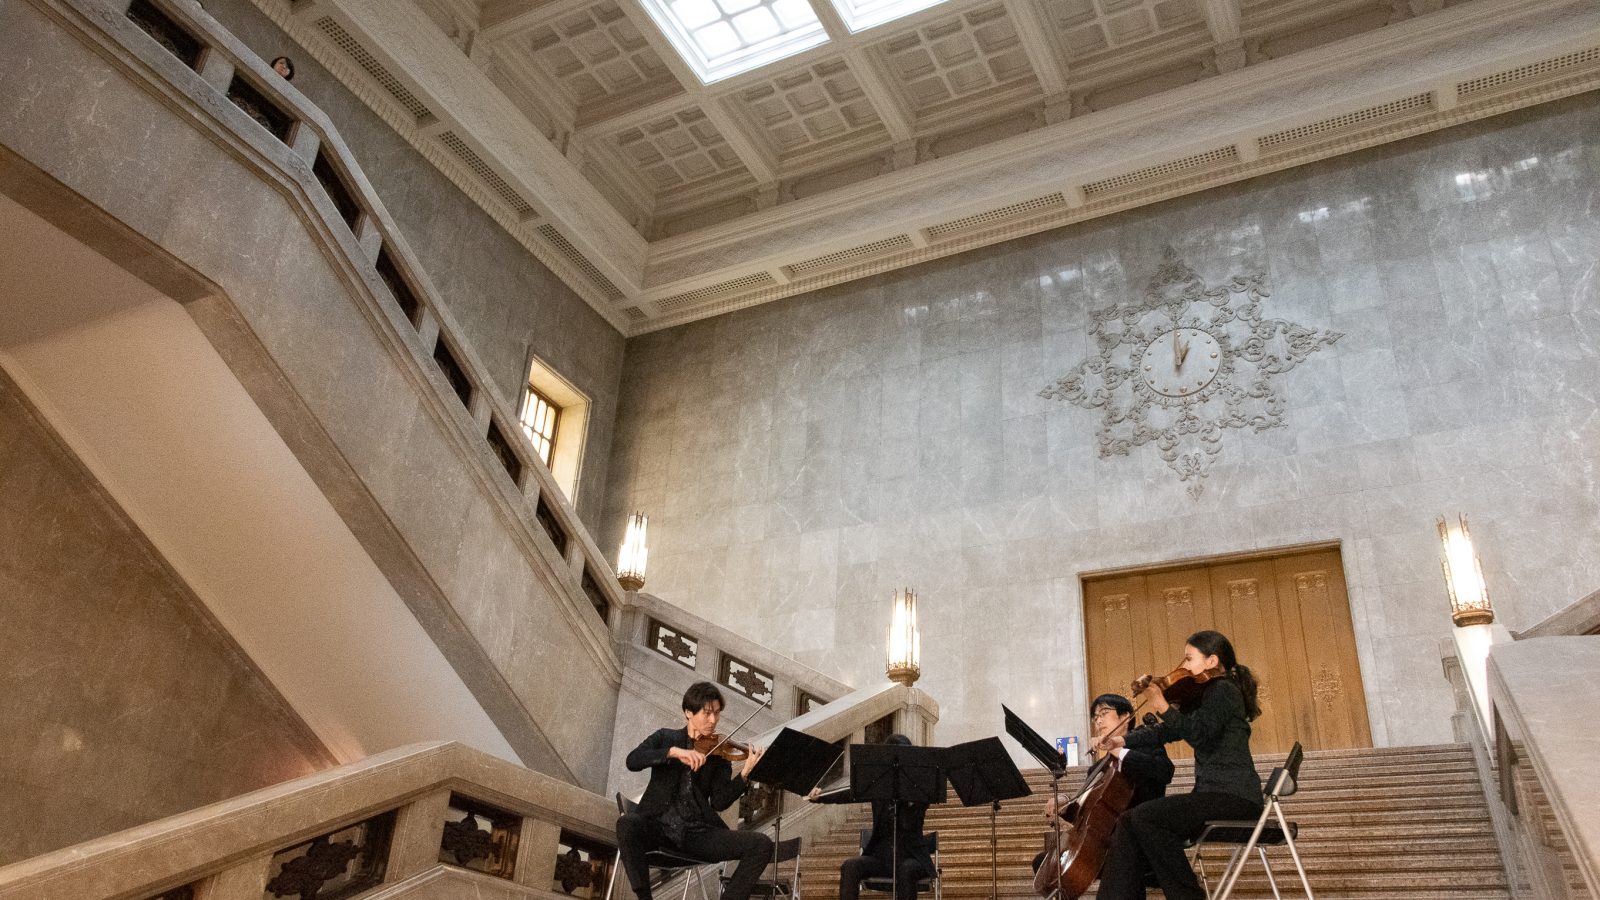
(1226, 786)
(1149, 769)
(679, 808)
(881, 851)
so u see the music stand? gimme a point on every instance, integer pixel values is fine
(1047, 755)
(899, 774)
(982, 772)
(795, 762)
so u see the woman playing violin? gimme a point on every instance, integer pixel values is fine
(689, 784)
(1151, 836)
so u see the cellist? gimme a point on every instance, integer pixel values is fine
(1226, 786)
(1150, 770)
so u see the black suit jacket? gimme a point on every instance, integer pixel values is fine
(880, 843)
(1148, 766)
(715, 781)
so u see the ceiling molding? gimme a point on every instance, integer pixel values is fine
(965, 124)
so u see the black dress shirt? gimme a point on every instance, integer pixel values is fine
(1220, 735)
(715, 781)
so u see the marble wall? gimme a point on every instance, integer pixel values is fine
(802, 459)
(124, 701)
(506, 301)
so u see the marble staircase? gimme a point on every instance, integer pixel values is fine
(1401, 823)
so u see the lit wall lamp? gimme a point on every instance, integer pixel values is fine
(631, 558)
(905, 642)
(1463, 576)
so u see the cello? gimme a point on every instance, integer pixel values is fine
(1074, 855)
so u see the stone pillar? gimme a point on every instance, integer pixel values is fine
(418, 832)
(536, 854)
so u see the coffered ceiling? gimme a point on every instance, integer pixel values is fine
(662, 198)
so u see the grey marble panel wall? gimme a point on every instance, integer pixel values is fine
(124, 702)
(801, 460)
(506, 300)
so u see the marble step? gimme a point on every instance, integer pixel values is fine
(1360, 814)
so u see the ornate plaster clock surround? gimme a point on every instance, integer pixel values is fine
(1185, 363)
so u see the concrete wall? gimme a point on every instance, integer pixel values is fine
(124, 701)
(506, 301)
(801, 460)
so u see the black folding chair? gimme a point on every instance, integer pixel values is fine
(777, 886)
(1257, 834)
(885, 884)
(665, 862)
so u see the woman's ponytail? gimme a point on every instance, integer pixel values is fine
(1214, 643)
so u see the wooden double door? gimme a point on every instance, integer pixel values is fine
(1288, 617)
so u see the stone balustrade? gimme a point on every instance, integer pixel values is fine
(322, 313)
(422, 815)
(1524, 706)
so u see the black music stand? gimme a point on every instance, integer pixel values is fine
(982, 772)
(795, 762)
(1047, 755)
(900, 774)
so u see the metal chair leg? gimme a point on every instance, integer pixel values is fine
(611, 883)
(1255, 836)
(1294, 853)
(1272, 882)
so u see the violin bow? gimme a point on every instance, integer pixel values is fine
(729, 735)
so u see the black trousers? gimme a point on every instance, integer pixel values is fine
(856, 868)
(1150, 837)
(638, 835)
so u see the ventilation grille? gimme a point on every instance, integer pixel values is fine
(840, 257)
(1015, 210)
(489, 176)
(1349, 122)
(1141, 177)
(565, 248)
(365, 60)
(1559, 66)
(634, 313)
(688, 298)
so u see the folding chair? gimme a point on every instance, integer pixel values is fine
(666, 862)
(930, 842)
(778, 887)
(1257, 834)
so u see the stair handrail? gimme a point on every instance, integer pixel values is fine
(225, 850)
(373, 234)
(1507, 754)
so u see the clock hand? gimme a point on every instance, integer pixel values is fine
(1182, 352)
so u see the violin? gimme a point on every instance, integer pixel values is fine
(1180, 686)
(719, 745)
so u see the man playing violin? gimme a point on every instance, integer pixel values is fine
(687, 789)
(1149, 769)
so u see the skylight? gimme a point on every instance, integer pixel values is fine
(721, 38)
(859, 15)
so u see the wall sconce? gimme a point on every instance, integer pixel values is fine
(905, 642)
(631, 558)
(1463, 576)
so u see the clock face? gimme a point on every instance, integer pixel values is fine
(1181, 362)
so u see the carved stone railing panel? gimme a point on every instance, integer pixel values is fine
(583, 866)
(480, 837)
(228, 850)
(746, 679)
(679, 646)
(335, 865)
